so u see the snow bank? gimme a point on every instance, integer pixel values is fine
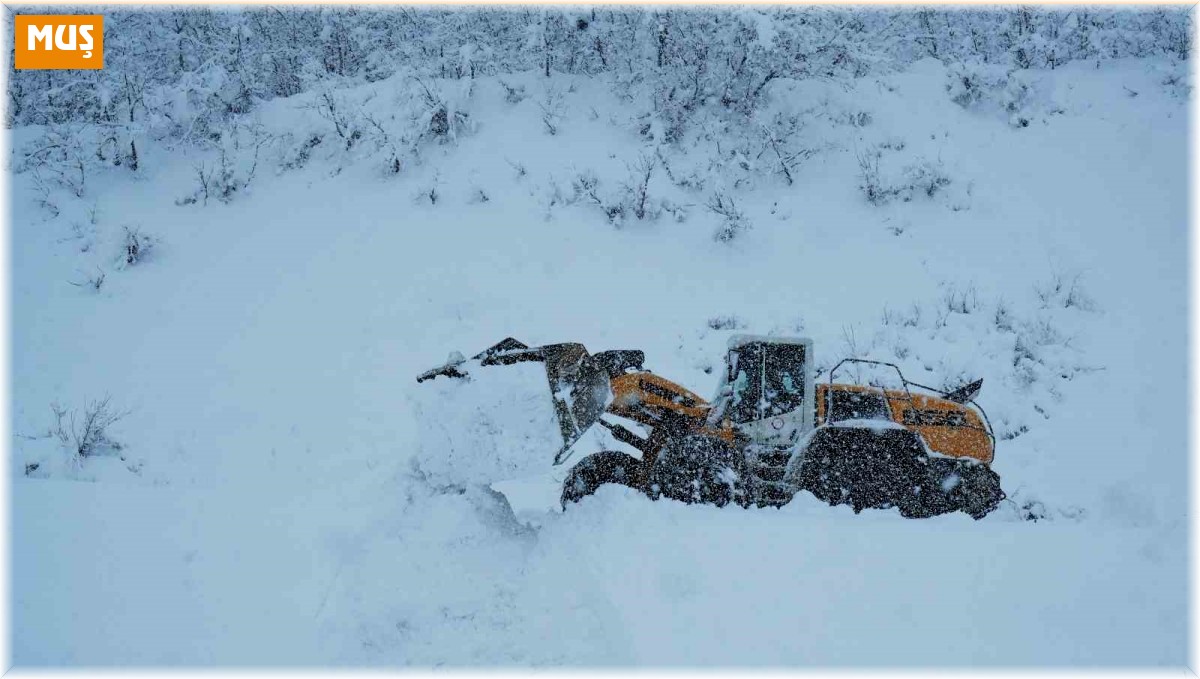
(497, 423)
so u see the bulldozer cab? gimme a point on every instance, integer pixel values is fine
(766, 393)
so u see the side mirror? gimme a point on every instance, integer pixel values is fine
(731, 366)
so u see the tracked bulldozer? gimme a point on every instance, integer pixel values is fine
(771, 431)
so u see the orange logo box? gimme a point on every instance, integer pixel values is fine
(59, 41)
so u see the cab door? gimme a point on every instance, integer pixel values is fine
(769, 393)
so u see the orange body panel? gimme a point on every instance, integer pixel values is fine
(646, 398)
(948, 428)
(649, 399)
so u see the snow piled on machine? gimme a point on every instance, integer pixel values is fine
(496, 423)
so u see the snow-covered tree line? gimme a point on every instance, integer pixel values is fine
(190, 76)
(180, 71)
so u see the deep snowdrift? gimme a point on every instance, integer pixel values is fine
(264, 508)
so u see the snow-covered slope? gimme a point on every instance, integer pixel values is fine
(263, 506)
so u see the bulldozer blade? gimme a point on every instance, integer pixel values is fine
(451, 367)
(578, 382)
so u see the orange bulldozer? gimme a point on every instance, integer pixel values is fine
(770, 432)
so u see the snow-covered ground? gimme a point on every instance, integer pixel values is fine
(265, 507)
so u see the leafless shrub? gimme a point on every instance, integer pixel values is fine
(85, 433)
(633, 197)
(93, 282)
(223, 178)
(57, 159)
(923, 177)
(513, 94)
(387, 142)
(303, 153)
(587, 187)
(135, 246)
(858, 118)
(44, 193)
(430, 193)
(960, 301)
(82, 234)
(338, 113)
(1064, 290)
(733, 221)
(444, 121)
(870, 182)
(888, 317)
(639, 183)
(725, 323)
(1003, 317)
(677, 211)
(779, 141)
(518, 168)
(554, 196)
(853, 350)
(552, 110)
(926, 177)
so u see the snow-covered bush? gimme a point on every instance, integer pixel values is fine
(870, 181)
(85, 433)
(1018, 95)
(64, 159)
(637, 188)
(230, 165)
(730, 322)
(964, 301)
(924, 177)
(60, 158)
(346, 119)
(79, 444)
(518, 168)
(93, 282)
(781, 143)
(882, 179)
(631, 199)
(513, 94)
(429, 192)
(553, 109)
(479, 195)
(1064, 290)
(969, 83)
(135, 247)
(444, 116)
(299, 156)
(1176, 78)
(587, 187)
(733, 220)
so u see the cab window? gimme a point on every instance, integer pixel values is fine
(745, 368)
(784, 376)
(857, 405)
